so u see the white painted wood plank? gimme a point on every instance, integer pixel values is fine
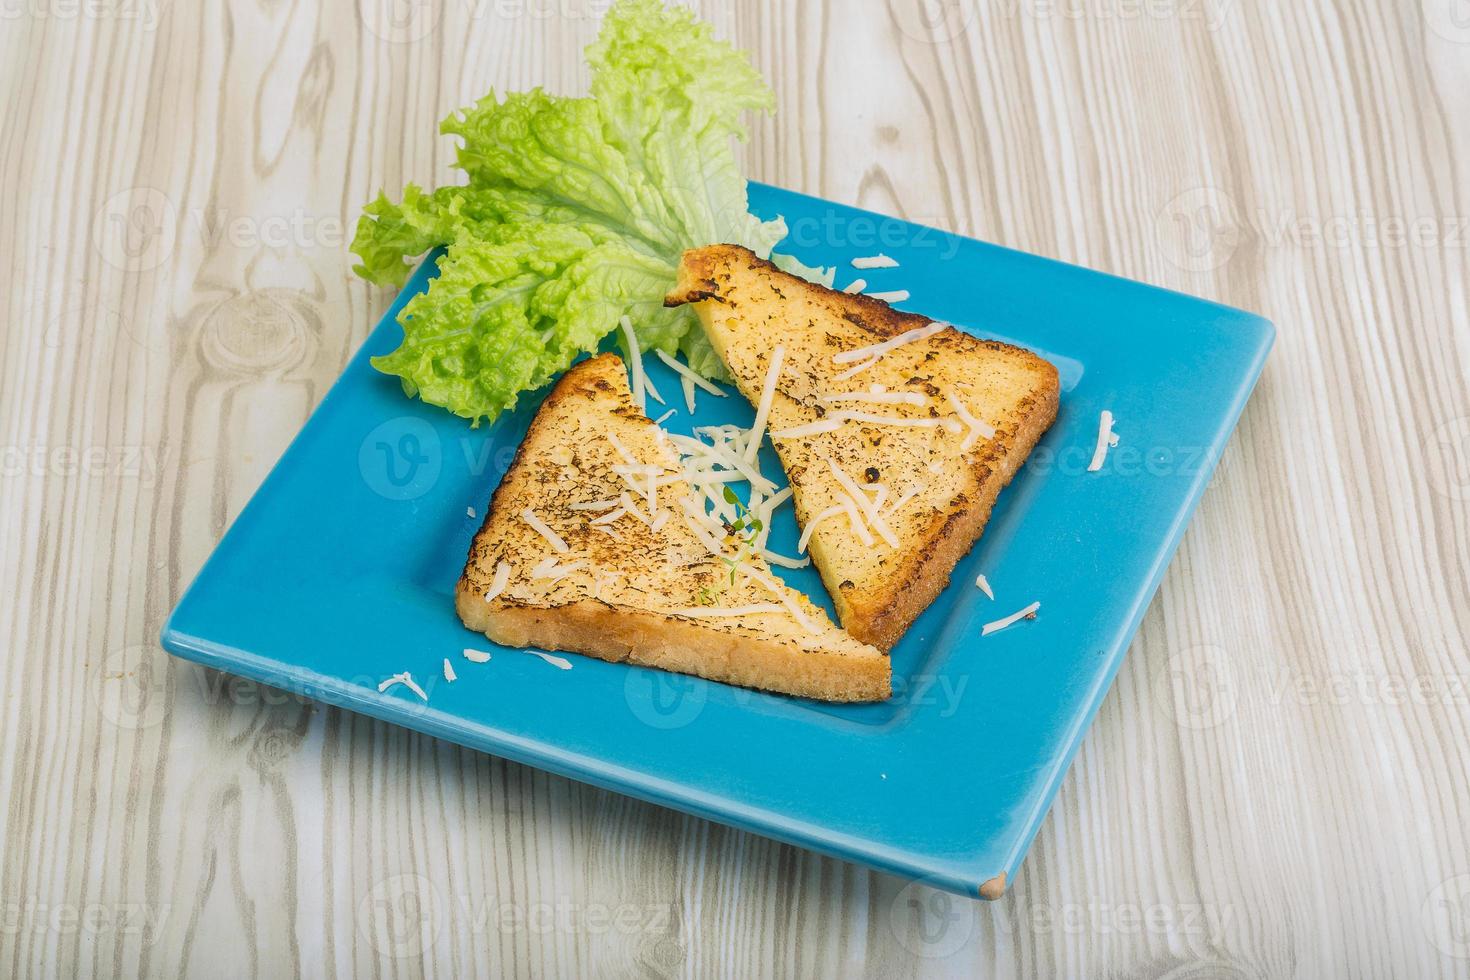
(1279, 783)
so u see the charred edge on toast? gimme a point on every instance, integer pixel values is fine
(875, 316)
(950, 535)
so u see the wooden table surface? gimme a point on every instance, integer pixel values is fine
(1277, 786)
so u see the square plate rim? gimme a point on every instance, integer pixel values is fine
(949, 873)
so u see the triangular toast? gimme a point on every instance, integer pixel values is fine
(647, 587)
(938, 470)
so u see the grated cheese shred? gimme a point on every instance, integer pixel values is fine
(635, 361)
(869, 511)
(903, 498)
(811, 526)
(406, 679)
(763, 410)
(622, 450)
(856, 520)
(891, 344)
(690, 375)
(857, 370)
(541, 528)
(549, 569)
(498, 582)
(878, 395)
(983, 584)
(1106, 439)
(784, 561)
(782, 596)
(976, 428)
(1028, 613)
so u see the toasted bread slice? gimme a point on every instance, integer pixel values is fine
(937, 468)
(649, 589)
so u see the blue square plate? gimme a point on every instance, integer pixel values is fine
(341, 570)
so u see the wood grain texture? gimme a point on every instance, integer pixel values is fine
(1279, 783)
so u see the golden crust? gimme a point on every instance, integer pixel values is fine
(622, 635)
(623, 602)
(748, 306)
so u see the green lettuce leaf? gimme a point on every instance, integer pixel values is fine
(574, 214)
(388, 233)
(670, 98)
(514, 308)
